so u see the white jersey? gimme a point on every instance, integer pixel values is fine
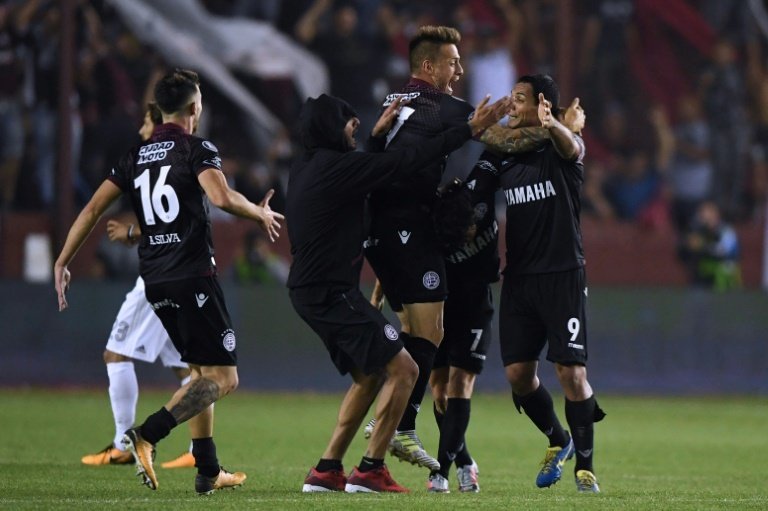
(138, 333)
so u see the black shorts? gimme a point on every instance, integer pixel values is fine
(195, 316)
(405, 255)
(354, 332)
(541, 308)
(467, 324)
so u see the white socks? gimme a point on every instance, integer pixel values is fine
(123, 395)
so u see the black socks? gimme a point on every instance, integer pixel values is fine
(423, 353)
(325, 465)
(453, 426)
(581, 416)
(204, 451)
(157, 426)
(367, 464)
(539, 408)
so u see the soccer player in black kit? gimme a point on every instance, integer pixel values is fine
(544, 291)
(468, 313)
(403, 249)
(325, 204)
(170, 180)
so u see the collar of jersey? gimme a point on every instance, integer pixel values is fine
(418, 82)
(168, 127)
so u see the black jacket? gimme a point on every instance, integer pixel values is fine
(327, 189)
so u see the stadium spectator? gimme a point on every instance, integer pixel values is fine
(178, 268)
(544, 293)
(14, 20)
(687, 168)
(635, 186)
(758, 181)
(347, 51)
(711, 250)
(724, 92)
(604, 71)
(326, 194)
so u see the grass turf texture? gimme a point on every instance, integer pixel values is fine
(651, 453)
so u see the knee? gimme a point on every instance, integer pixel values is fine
(520, 379)
(110, 357)
(405, 371)
(573, 379)
(440, 396)
(227, 383)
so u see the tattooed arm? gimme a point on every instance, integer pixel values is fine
(514, 140)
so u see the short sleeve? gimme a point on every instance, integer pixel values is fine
(119, 174)
(204, 155)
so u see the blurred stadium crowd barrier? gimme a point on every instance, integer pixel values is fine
(649, 341)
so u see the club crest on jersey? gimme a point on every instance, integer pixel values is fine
(154, 152)
(431, 280)
(390, 332)
(529, 193)
(228, 339)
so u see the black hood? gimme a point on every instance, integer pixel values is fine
(322, 121)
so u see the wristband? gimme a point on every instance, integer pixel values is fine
(130, 232)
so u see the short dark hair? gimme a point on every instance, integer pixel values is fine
(174, 90)
(155, 115)
(426, 44)
(546, 85)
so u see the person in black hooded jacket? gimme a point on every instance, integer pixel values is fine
(327, 188)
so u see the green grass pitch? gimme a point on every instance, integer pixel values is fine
(651, 453)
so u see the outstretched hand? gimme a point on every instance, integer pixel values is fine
(388, 116)
(269, 219)
(486, 115)
(546, 116)
(574, 117)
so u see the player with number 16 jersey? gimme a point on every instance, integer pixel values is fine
(160, 177)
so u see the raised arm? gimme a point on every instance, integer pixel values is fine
(222, 196)
(562, 138)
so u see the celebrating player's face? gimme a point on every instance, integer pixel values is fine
(524, 110)
(446, 69)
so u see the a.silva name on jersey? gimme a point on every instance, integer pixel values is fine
(164, 239)
(529, 193)
(154, 152)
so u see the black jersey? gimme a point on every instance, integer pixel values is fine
(327, 189)
(478, 260)
(160, 178)
(541, 191)
(429, 112)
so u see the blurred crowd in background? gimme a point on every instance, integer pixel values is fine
(675, 91)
